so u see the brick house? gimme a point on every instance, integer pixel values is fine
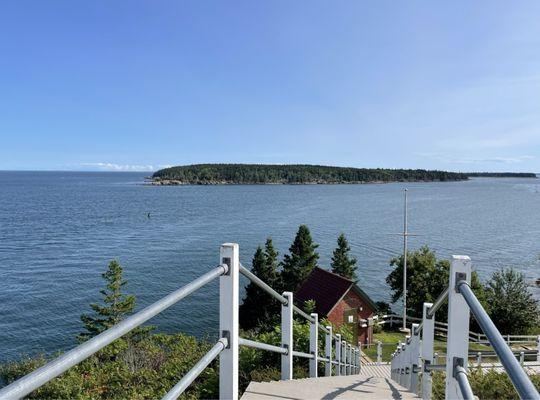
(340, 300)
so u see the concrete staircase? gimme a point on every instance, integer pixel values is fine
(373, 382)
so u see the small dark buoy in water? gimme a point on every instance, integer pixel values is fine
(148, 215)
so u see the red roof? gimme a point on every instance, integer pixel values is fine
(325, 287)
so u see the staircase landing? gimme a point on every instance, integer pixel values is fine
(372, 383)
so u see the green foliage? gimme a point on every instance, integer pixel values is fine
(502, 174)
(383, 308)
(489, 385)
(310, 306)
(126, 369)
(258, 308)
(427, 277)
(116, 305)
(300, 262)
(342, 264)
(260, 173)
(510, 302)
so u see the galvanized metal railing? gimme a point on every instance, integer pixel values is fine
(51, 370)
(414, 359)
(339, 354)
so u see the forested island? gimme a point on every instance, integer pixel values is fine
(501, 174)
(215, 174)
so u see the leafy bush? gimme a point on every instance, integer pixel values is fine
(488, 385)
(510, 302)
(127, 369)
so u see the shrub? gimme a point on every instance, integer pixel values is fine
(489, 385)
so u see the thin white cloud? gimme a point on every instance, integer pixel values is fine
(106, 166)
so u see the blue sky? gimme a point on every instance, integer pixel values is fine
(136, 85)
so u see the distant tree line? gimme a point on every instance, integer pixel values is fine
(293, 174)
(501, 174)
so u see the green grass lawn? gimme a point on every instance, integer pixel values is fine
(390, 339)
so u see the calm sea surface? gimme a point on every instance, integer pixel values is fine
(58, 231)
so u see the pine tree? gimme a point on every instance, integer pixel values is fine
(300, 262)
(342, 264)
(116, 307)
(259, 309)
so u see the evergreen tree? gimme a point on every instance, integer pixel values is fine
(310, 306)
(116, 307)
(271, 255)
(300, 262)
(342, 264)
(259, 309)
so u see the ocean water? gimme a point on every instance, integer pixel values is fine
(58, 231)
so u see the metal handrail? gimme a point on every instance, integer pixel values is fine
(262, 346)
(52, 369)
(268, 289)
(519, 378)
(433, 309)
(463, 382)
(435, 367)
(194, 372)
(439, 302)
(260, 283)
(302, 354)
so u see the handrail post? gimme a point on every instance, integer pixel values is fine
(313, 345)
(343, 358)
(358, 360)
(522, 358)
(228, 321)
(355, 360)
(415, 357)
(538, 348)
(408, 362)
(479, 358)
(347, 359)
(458, 325)
(393, 365)
(287, 337)
(379, 352)
(401, 363)
(338, 354)
(428, 333)
(398, 362)
(328, 351)
(349, 356)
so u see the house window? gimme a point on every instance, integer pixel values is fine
(351, 319)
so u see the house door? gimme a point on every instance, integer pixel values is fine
(350, 318)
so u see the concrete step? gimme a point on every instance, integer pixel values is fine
(362, 386)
